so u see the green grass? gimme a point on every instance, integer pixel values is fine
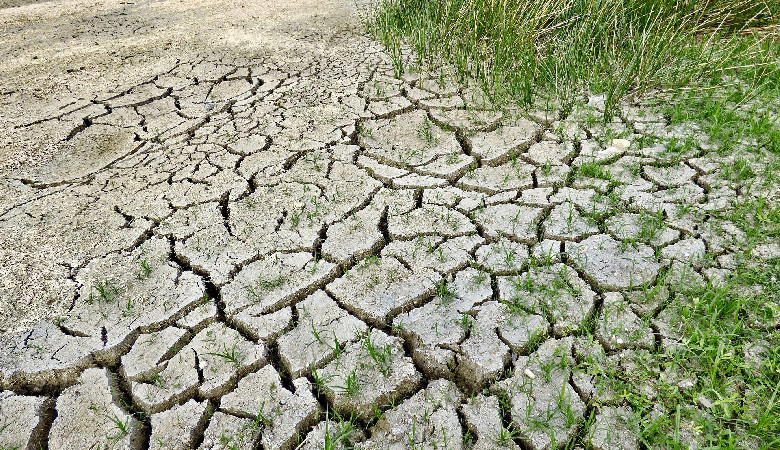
(262, 420)
(733, 399)
(105, 291)
(592, 169)
(719, 324)
(120, 425)
(344, 434)
(382, 356)
(231, 355)
(730, 115)
(712, 63)
(351, 384)
(145, 270)
(445, 292)
(560, 48)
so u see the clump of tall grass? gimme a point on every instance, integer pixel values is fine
(520, 48)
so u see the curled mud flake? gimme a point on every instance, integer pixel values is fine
(483, 356)
(619, 327)
(615, 427)
(483, 418)
(149, 350)
(45, 358)
(435, 329)
(262, 326)
(409, 139)
(428, 252)
(555, 292)
(389, 107)
(467, 120)
(354, 238)
(647, 227)
(208, 366)
(279, 413)
(223, 356)
(688, 251)
(550, 153)
(566, 223)
(497, 147)
(124, 294)
(673, 176)
(510, 176)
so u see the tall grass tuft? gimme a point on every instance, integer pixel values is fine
(522, 48)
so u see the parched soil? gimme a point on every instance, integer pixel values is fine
(221, 219)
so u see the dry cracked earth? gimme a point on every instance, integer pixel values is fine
(228, 225)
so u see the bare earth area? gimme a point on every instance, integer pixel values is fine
(221, 219)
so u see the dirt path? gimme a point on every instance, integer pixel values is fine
(222, 218)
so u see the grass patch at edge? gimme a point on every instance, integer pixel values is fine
(560, 48)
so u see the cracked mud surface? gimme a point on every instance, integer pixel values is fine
(221, 220)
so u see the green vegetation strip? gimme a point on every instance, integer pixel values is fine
(522, 49)
(710, 63)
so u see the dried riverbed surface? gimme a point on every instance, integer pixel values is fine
(227, 224)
